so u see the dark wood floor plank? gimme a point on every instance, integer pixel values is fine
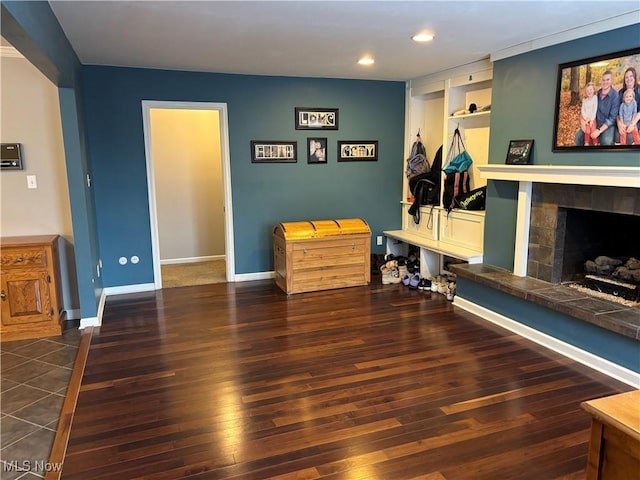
(240, 381)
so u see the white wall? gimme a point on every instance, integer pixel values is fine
(30, 115)
(185, 146)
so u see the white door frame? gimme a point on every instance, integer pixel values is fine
(221, 108)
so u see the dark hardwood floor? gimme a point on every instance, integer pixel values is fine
(239, 381)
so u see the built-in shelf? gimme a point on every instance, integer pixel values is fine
(573, 175)
(439, 247)
(471, 115)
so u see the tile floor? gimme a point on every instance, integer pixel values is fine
(34, 376)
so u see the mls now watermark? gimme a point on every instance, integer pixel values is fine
(31, 466)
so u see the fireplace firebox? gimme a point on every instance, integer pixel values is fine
(586, 234)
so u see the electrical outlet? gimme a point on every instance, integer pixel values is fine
(379, 240)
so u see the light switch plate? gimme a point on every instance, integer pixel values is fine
(32, 182)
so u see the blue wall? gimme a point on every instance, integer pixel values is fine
(259, 108)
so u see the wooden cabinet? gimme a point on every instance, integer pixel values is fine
(614, 446)
(30, 297)
(321, 255)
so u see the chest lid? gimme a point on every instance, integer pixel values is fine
(320, 228)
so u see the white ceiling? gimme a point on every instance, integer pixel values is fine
(324, 38)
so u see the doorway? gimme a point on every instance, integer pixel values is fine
(196, 207)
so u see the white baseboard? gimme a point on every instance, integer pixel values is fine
(172, 261)
(138, 288)
(90, 322)
(586, 358)
(247, 277)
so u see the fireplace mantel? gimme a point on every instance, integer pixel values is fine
(567, 174)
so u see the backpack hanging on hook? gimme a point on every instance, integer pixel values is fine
(417, 162)
(425, 187)
(456, 170)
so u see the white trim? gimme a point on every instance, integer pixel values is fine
(147, 105)
(567, 174)
(586, 358)
(9, 52)
(526, 175)
(248, 277)
(173, 261)
(521, 256)
(436, 82)
(90, 322)
(138, 288)
(619, 21)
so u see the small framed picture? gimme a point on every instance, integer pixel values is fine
(519, 152)
(316, 150)
(308, 118)
(273, 151)
(358, 151)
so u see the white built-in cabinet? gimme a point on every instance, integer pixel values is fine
(431, 104)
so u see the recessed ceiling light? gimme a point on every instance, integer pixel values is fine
(422, 37)
(366, 61)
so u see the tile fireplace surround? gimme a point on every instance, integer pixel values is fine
(614, 189)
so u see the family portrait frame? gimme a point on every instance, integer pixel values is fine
(317, 150)
(309, 118)
(591, 112)
(357, 150)
(274, 151)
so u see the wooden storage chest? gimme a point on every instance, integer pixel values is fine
(30, 297)
(321, 254)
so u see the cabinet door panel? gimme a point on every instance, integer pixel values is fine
(26, 298)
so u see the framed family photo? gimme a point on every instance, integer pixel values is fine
(317, 150)
(307, 118)
(358, 151)
(595, 103)
(273, 151)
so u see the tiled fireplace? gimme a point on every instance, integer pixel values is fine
(548, 198)
(574, 223)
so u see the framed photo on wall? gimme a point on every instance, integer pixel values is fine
(317, 150)
(594, 101)
(273, 151)
(307, 118)
(358, 151)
